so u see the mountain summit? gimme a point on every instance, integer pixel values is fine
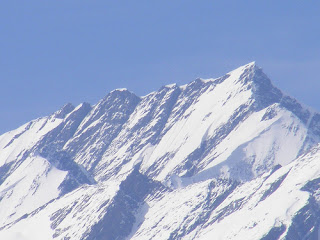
(225, 158)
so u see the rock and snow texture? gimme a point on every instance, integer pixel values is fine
(225, 158)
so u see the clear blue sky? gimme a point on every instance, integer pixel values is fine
(54, 52)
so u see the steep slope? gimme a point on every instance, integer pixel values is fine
(279, 204)
(33, 172)
(180, 163)
(201, 126)
(102, 124)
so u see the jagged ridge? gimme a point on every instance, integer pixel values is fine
(208, 141)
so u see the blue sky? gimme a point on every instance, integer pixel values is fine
(54, 52)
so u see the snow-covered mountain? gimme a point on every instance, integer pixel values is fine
(225, 158)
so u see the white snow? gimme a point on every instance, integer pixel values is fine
(119, 90)
(30, 186)
(208, 204)
(171, 85)
(14, 143)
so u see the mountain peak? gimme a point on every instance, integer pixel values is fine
(249, 66)
(179, 163)
(62, 112)
(120, 90)
(173, 85)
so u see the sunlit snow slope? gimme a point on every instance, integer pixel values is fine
(225, 158)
